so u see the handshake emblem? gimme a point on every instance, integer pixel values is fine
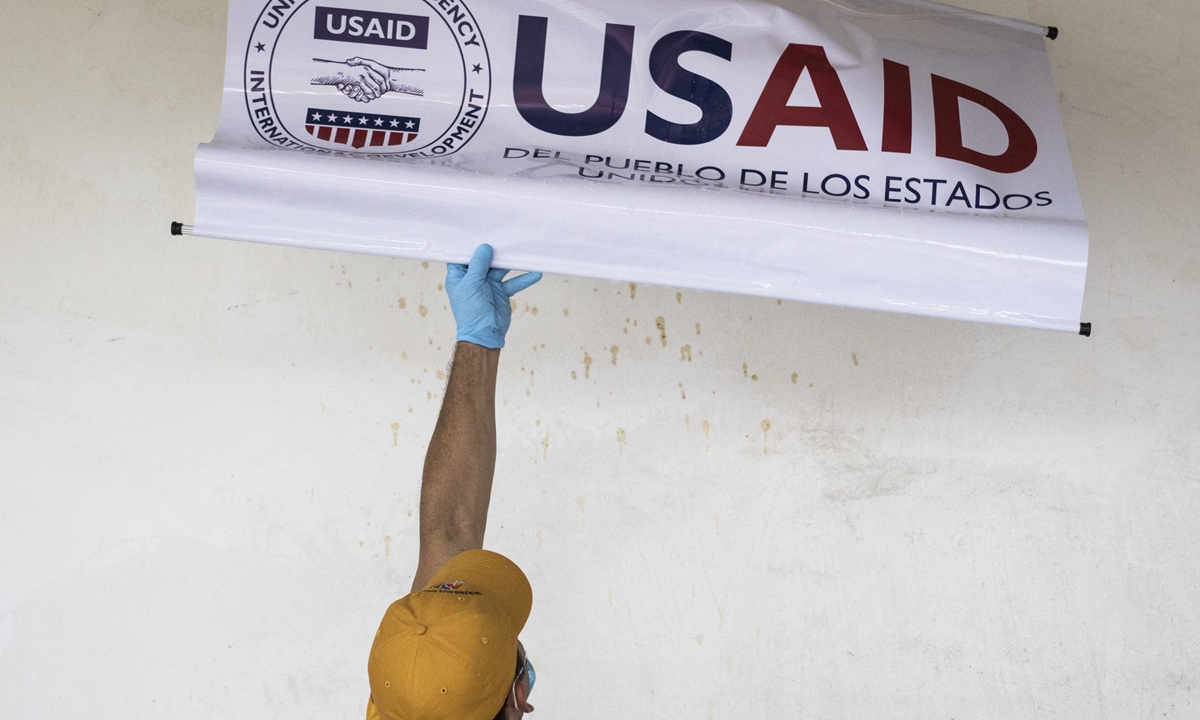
(364, 79)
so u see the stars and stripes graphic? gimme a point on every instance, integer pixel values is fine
(359, 129)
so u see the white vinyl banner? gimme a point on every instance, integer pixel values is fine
(890, 154)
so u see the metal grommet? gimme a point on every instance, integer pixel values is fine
(485, 641)
(443, 691)
(387, 683)
(461, 598)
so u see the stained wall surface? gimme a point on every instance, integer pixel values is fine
(728, 507)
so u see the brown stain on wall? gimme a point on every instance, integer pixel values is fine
(685, 353)
(795, 378)
(621, 440)
(422, 310)
(403, 303)
(587, 365)
(705, 426)
(854, 357)
(766, 428)
(661, 323)
(632, 290)
(614, 350)
(546, 444)
(679, 298)
(395, 434)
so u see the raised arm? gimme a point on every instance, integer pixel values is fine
(456, 486)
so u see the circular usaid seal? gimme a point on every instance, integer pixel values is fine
(399, 78)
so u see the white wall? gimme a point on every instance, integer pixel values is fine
(210, 452)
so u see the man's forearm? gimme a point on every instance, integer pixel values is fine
(456, 484)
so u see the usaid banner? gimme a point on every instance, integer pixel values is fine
(890, 154)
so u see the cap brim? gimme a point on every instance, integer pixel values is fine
(497, 577)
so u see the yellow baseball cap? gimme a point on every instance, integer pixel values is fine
(449, 652)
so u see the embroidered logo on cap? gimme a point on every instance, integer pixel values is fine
(454, 587)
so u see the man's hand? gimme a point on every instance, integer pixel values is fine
(479, 298)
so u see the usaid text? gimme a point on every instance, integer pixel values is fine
(771, 111)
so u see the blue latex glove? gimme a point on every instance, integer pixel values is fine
(479, 298)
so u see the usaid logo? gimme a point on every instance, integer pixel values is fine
(403, 78)
(372, 28)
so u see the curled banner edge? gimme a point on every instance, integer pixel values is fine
(1006, 271)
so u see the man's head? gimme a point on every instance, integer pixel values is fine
(449, 651)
